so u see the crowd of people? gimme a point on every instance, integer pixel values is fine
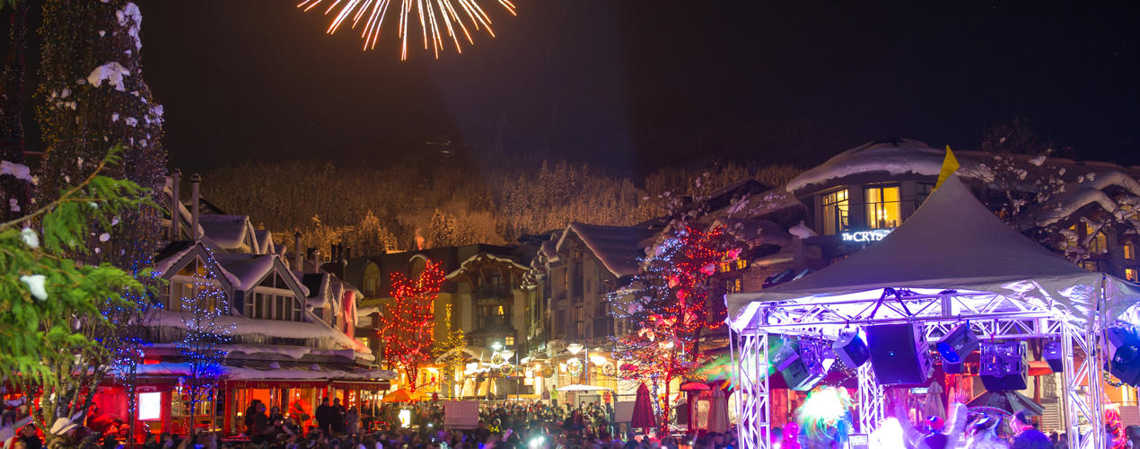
(534, 425)
(333, 425)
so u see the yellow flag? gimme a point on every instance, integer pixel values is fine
(949, 166)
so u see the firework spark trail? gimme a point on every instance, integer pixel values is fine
(439, 20)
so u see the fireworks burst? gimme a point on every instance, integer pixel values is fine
(456, 18)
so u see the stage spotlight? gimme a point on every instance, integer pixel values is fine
(1003, 367)
(1054, 356)
(899, 354)
(958, 344)
(851, 350)
(812, 361)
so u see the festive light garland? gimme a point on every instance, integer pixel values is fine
(406, 327)
(200, 348)
(672, 306)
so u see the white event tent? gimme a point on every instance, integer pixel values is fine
(951, 261)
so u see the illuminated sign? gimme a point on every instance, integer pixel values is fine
(150, 406)
(873, 235)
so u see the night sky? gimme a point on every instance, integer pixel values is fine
(633, 85)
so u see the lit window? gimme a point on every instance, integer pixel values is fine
(833, 207)
(725, 267)
(1129, 251)
(732, 286)
(1090, 265)
(509, 341)
(883, 209)
(741, 264)
(500, 311)
(1131, 274)
(1097, 244)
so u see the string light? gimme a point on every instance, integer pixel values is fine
(406, 326)
(200, 348)
(672, 305)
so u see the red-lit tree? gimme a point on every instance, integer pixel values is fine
(671, 301)
(406, 327)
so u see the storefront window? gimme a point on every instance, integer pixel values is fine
(1131, 274)
(883, 209)
(833, 208)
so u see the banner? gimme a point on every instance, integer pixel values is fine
(461, 414)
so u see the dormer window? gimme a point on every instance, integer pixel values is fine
(185, 287)
(272, 299)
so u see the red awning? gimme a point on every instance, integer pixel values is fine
(381, 385)
(277, 383)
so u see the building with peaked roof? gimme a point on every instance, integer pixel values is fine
(484, 295)
(859, 195)
(289, 331)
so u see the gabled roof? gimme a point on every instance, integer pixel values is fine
(176, 255)
(619, 248)
(228, 231)
(952, 242)
(251, 269)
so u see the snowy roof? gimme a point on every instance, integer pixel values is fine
(895, 156)
(484, 256)
(250, 269)
(176, 254)
(228, 231)
(242, 373)
(249, 326)
(951, 242)
(619, 248)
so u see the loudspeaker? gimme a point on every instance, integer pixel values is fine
(1003, 367)
(899, 354)
(809, 366)
(1125, 362)
(1053, 354)
(959, 343)
(851, 350)
(952, 368)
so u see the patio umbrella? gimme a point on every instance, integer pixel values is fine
(933, 406)
(642, 410)
(1007, 402)
(695, 386)
(402, 395)
(718, 412)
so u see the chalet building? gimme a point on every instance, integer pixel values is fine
(573, 274)
(483, 294)
(290, 331)
(861, 194)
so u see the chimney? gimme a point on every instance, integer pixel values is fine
(297, 255)
(175, 201)
(195, 180)
(316, 260)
